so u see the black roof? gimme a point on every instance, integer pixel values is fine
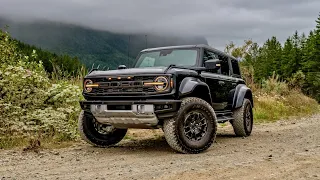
(188, 46)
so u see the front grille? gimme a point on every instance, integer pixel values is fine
(124, 86)
(123, 90)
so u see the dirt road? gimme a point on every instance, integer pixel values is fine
(282, 150)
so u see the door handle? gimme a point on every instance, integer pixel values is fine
(221, 82)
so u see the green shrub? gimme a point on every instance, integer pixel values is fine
(297, 80)
(274, 86)
(31, 104)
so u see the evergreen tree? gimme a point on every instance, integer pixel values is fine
(299, 56)
(312, 63)
(287, 57)
(291, 56)
(307, 51)
(269, 59)
(317, 46)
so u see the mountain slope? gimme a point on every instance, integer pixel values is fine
(63, 65)
(91, 46)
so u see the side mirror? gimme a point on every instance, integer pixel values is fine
(122, 67)
(212, 64)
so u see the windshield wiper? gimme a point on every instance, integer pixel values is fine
(198, 69)
(169, 67)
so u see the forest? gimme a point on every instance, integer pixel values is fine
(296, 61)
(52, 62)
(64, 65)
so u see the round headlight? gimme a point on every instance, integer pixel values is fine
(85, 85)
(163, 83)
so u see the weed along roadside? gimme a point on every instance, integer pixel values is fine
(277, 101)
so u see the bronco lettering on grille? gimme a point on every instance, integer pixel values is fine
(120, 84)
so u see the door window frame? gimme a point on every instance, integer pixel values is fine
(232, 72)
(218, 54)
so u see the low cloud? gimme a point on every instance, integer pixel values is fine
(219, 21)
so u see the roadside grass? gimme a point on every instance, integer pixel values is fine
(270, 108)
(8, 142)
(136, 134)
(27, 143)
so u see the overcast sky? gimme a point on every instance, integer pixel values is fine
(219, 21)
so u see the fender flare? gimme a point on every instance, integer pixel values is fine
(191, 85)
(241, 92)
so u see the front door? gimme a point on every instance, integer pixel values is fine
(220, 82)
(217, 89)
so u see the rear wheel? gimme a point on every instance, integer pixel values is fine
(194, 128)
(243, 119)
(98, 134)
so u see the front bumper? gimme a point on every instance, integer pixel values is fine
(131, 115)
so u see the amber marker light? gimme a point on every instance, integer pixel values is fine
(153, 83)
(92, 85)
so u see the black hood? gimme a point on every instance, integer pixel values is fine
(133, 71)
(141, 71)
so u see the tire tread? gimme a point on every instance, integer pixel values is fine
(97, 142)
(171, 132)
(238, 122)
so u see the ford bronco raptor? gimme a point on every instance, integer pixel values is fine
(185, 90)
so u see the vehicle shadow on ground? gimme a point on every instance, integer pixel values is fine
(158, 144)
(149, 144)
(226, 136)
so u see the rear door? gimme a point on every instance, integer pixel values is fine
(235, 79)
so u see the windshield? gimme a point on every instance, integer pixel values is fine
(178, 57)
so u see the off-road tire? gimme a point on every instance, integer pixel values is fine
(175, 136)
(239, 123)
(92, 136)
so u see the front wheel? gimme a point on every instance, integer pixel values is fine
(98, 134)
(243, 119)
(194, 128)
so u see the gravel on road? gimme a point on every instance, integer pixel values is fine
(287, 149)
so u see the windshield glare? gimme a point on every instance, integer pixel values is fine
(178, 57)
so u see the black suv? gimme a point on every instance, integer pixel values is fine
(185, 90)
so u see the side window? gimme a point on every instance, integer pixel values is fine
(209, 55)
(235, 67)
(224, 61)
(224, 65)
